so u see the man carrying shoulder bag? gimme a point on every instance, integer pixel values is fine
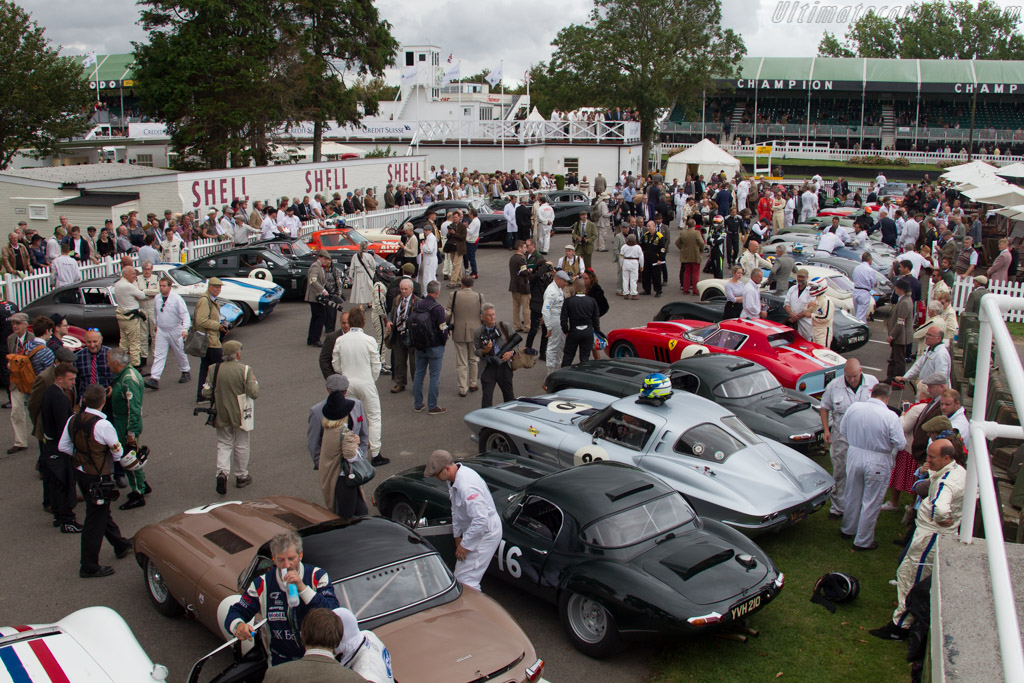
(232, 389)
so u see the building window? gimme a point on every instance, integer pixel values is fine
(435, 93)
(572, 165)
(467, 112)
(409, 61)
(486, 113)
(144, 160)
(423, 57)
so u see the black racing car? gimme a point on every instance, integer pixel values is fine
(848, 333)
(90, 305)
(742, 386)
(287, 260)
(620, 552)
(567, 205)
(493, 225)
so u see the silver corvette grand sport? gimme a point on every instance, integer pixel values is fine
(724, 470)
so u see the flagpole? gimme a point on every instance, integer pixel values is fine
(460, 118)
(501, 68)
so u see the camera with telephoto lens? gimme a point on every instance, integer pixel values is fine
(211, 414)
(103, 491)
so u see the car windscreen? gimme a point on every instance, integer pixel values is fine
(702, 333)
(708, 441)
(334, 240)
(747, 385)
(300, 249)
(840, 282)
(394, 587)
(186, 277)
(357, 237)
(639, 523)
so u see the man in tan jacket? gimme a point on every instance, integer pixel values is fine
(463, 319)
(226, 383)
(207, 321)
(691, 250)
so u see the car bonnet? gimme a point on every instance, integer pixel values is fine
(461, 641)
(53, 657)
(563, 408)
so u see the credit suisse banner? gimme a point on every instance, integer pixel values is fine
(214, 189)
(369, 128)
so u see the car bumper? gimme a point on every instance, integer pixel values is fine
(777, 521)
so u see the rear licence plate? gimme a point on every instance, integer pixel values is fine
(798, 516)
(747, 607)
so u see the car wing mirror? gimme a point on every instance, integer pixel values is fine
(599, 433)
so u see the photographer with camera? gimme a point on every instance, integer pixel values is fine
(92, 443)
(492, 342)
(323, 287)
(227, 384)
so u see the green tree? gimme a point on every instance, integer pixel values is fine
(944, 29)
(335, 37)
(46, 97)
(215, 71)
(643, 54)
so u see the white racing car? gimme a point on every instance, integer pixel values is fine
(840, 288)
(93, 644)
(256, 297)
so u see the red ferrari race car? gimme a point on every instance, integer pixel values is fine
(796, 363)
(349, 239)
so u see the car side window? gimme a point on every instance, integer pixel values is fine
(726, 340)
(96, 296)
(227, 261)
(707, 442)
(68, 296)
(625, 430)
(686, 382)
(540, 517)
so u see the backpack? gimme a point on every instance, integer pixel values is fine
(835, 587)
(420, 329)
(23, 375)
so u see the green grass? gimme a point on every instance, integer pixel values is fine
(799, 640)
(1016, 329)
(828, 163)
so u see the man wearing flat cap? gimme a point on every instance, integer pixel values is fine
(322, 289)
(475, 520)
(315, 430)
(584, 236)
(224, 384)
(207, 322)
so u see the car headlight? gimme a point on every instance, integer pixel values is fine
(801, 437)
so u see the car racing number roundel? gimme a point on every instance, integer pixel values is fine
(589, 453)
(568, 407)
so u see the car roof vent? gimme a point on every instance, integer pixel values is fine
(228, 541)
(625, 372)
(628, 490)
(293, 520)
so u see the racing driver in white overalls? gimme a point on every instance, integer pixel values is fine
(475, 520)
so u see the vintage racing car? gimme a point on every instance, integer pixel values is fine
(741, 386)
(285, 260)
(395, 582)
(350, 239)
(848, 333)
(257, 298)
(796, 363)
(92, 644)
(725, 471)
(90, 304)
(840, 288)
(618, 550)
(493, 226)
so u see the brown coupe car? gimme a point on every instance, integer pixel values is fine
(394, 581)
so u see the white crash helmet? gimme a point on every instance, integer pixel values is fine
(135, 459)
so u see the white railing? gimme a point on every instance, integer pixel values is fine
(963, 287)
(820, 151)
(610, 132)
(979, 472)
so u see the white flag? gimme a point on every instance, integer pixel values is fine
(452, 74)
(494, 77)
(409, 76)
(89, 60)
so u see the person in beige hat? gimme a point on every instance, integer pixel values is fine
(207, 321)
(225, 384)
(475, 520)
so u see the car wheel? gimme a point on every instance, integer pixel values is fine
(712, 293)
(590, 626)
(623, 349)
(158, 592)
(498, 442)
(247, 314)
(403, 513)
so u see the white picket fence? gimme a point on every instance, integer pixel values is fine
(964, 285)
(23, 290)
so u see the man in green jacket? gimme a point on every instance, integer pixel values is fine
(126, 416)
(584, 236)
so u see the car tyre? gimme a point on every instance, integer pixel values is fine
(247, 314)
(591, 628)
(158, 592)
(403, 513)
(497, 442)
(623, 349)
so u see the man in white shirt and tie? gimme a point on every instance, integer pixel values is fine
(752, 296)
(172, 325)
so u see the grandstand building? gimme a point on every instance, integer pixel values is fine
(920, 105)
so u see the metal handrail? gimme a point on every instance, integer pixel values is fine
(992, 328)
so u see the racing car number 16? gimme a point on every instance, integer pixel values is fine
(509, 562)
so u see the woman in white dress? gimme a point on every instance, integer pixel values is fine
(428, 256)
(362, 269)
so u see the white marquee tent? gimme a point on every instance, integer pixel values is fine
(703, 158)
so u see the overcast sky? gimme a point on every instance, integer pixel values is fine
(474, 32)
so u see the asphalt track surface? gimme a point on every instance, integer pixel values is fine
(41, 583)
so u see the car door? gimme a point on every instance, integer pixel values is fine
(99, 311)
(528, 539)
(69, 303)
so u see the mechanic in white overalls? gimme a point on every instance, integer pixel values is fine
(475, 521)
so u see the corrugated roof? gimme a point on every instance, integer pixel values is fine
(117, 67)
(84, 173)
(907, 71)
(99, 199)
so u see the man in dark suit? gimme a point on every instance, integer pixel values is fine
(322, 632)
(888, 228)
(80, 250)
(404, 357)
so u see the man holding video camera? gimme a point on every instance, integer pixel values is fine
(91, 441)
(495, 345)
